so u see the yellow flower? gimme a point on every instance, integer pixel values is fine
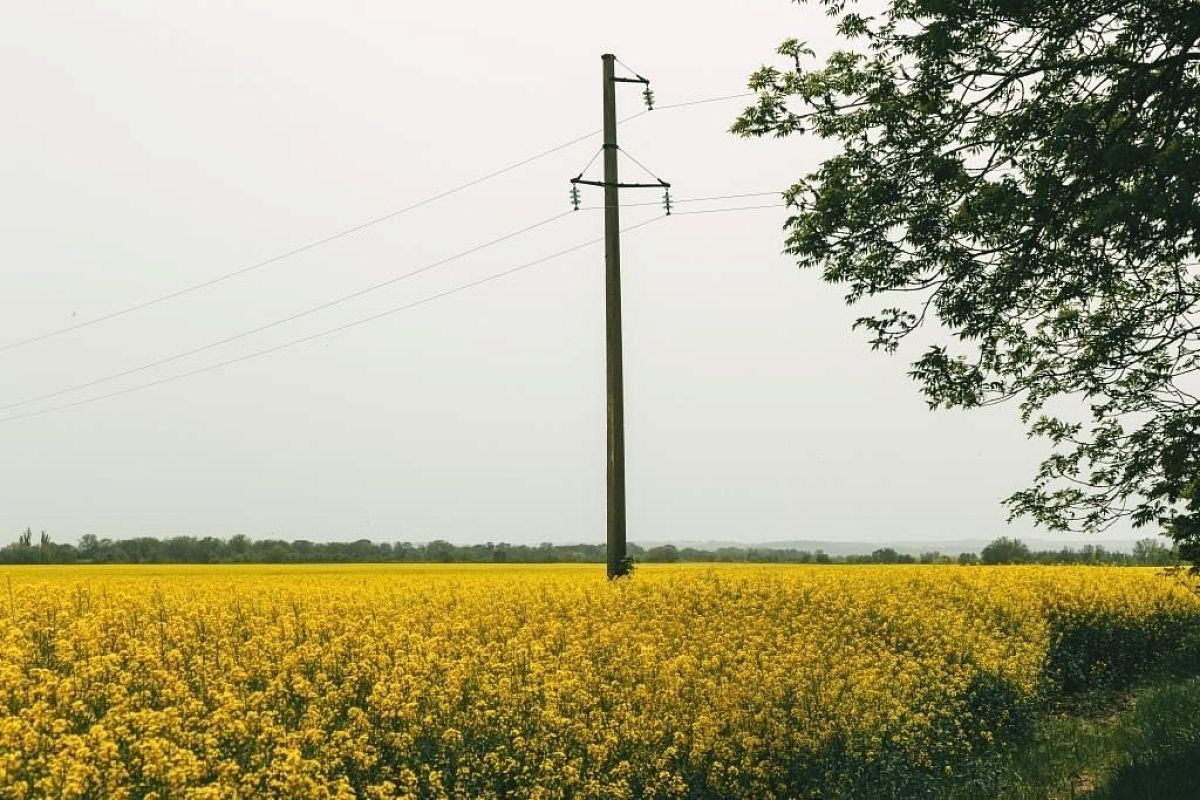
(544, 681)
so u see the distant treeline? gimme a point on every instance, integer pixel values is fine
(243, 550)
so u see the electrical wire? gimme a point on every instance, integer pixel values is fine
(705, 100)
(364, 320)
(331, 238)
(689, 200)
(294, 252)
(331, 303)
(283, 320)
(727, 197)
(327, 332)
(723, 210)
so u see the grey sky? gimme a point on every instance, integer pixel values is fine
(148, 146)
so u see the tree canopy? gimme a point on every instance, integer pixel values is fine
(242, 549)
(1006, 551)
(1021, 177)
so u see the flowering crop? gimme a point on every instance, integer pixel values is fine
(549, 682)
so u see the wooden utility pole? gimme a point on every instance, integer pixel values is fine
(618, 563)
(615, 372)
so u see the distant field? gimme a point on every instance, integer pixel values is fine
(431, 681)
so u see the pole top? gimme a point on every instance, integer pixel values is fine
(608, 56)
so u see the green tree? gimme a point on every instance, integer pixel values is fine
(89, 545)
(1006, 551)
(885, 555)
(1023, 175)
(239, 545)
(1153, 553)
(441, 550)
(662, 554)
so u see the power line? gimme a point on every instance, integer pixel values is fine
(723, 210)
(326, 305)
(331, 238)
(704, 100)
(320, 334)
(362, 321)
(690, 200)
(314, 309)
(726, 197)
(298, 250)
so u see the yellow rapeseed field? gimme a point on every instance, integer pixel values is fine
(547, 681)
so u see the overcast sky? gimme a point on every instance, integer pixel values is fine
(150, 146)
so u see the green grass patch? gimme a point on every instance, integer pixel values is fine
(1142, 744)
